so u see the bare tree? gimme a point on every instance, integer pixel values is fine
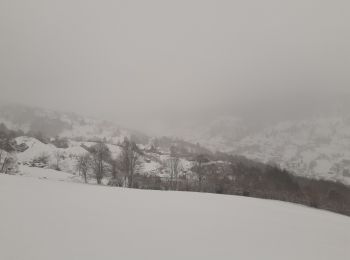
(117, 178)
(129, 158)
(3, 155)
(114, 168)
(100, 154)
(58, 155)
(174, 166)
(41, 160)
(6, 144)
(83, 165)
(198, 168)
(7, 161)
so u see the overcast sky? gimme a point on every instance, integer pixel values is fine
(136, 60)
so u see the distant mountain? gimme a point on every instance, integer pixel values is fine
(217, 135)
(51, 124)
(44, 133)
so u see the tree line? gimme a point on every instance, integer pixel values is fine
(215, 173)
(99, 162)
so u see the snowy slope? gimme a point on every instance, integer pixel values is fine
(43, 220)
(216, 135)
(318, 148)
(54, 123)
(48, 174)
(36, 148)
(149, 163)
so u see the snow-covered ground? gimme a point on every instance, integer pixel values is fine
(50, 174)
(36, 148)
(43, 219)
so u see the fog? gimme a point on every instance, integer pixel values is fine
(157, 62)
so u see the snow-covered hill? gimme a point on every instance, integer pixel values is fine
(79, 132)
(43, 220)
(150, 163)
(318, 147)
(51, 124)
(216, 135)
(68, 156)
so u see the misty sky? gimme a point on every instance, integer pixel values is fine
(167, 61)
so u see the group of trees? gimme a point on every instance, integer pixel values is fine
(98, 160)
(83, 165)
(128, 160)
(240, 176)
(214, 173)
(7, 161)
(174, 167)
(199, 169)
(100, 155)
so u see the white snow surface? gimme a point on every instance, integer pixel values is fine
(37, 148)
(54, 220)
(50, 174)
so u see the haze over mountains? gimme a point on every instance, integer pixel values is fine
(184, 129)
(317, 148)
(140, 64)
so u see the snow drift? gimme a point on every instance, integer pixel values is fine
(43, 219)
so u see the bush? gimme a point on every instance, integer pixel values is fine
(60, 142)
(41, 160)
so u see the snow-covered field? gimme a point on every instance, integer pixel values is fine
(42, 219)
